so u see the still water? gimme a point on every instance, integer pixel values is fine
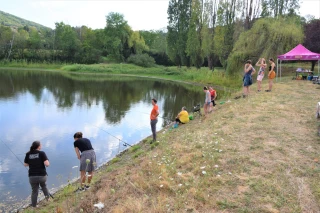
(52, 106)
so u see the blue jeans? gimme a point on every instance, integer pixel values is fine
(35, 181)
(153, 124)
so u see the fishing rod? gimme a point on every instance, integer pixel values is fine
(21, 162)
(13, 153)
(124, 143)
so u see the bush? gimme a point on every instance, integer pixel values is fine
(143, 60)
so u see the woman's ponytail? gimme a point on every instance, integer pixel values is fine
(35, 145)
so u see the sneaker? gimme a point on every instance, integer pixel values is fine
(86, 187)
(268, 90)
(80, 189)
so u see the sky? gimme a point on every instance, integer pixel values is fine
(140, 14)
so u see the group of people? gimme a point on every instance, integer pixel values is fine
(209, 101)
(37, 161)
(249, 71)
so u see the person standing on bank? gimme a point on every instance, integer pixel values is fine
(207, 101)
(154, 119)
(271, 74)
(213, 94)
(247, 78)
(262, 64)
(37, 161)
(87, 159)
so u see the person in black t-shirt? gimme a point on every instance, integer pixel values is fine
(37, 161)
(87, 159)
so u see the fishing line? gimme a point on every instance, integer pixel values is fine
(11, 83)
(124, 143)
(21, 162)
(13, 153)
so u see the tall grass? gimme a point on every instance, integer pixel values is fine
(31, 64)
(202, 76)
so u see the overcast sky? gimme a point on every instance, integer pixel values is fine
(141, 15)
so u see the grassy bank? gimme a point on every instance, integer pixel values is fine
(26, 64)
(201, 76)
(259, 154)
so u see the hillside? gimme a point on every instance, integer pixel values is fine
(15, 22)
(259, 154)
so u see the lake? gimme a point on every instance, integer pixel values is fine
(52, 106)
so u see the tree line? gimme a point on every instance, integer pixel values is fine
(228, 32)
(199, 33)
(65, 43)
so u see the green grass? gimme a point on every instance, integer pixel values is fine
(202, 76)
(29, 64)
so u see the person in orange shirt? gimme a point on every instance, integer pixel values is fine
(154, 119)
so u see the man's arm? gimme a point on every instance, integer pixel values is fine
(77, 152)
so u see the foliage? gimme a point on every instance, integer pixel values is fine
(5, 40)
(208, 31)
(311, 41)
(179, 14)
(312, 32)
(137, 43)
(194, 42)
(224, 40)
(143, 60)
(265, 40)
(117, 34)
(277, 8)
(12, 21)
(155, 40)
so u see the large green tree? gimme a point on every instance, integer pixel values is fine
(179, 13)
(224, 40)
(312, 41)
(6, 36)
(208, 30)
(67, 44)
(194, 42)
(117, 34)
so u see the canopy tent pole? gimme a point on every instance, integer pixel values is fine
(277, 70)
(280, 69)
(318, 68)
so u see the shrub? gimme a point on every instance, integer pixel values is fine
(143, 60)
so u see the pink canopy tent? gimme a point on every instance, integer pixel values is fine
(298, 53)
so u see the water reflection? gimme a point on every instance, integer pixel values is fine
(51, 107)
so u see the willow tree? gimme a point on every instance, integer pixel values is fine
(136, 43)
(265, 40)
(194, 42)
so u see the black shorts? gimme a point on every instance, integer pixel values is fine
(213, 103)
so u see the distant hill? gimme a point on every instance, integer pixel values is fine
(15, 22)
